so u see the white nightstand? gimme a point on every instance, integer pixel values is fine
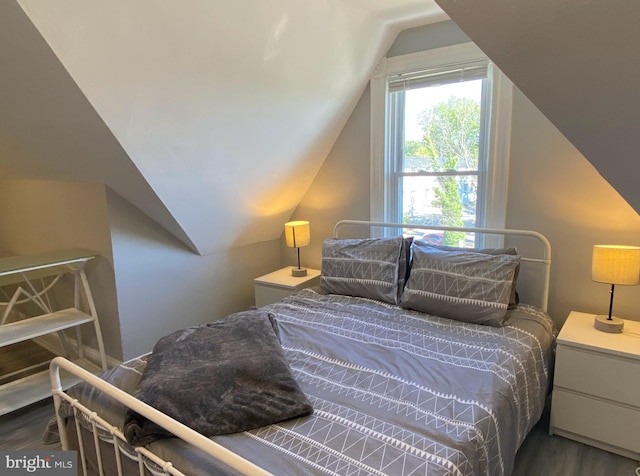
(596, 387)
(274, 286)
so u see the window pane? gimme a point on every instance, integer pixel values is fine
(442, 127)
(441, 200)
(442, 133)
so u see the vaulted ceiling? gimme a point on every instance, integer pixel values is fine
(213, 117)
(577, 61)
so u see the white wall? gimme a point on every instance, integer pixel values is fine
(555, 190)
(39, 215)
(223, 107)
(339, 190)
(552, 189)
(575, 61)
(163, 286)
(48, 128)
(145, 282)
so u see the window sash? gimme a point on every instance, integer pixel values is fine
(444, 173)
(498, 111)
(394, 210)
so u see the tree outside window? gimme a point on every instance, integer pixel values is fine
(440, 162)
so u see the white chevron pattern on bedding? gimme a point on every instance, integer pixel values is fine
(394, 392)
(397, 392)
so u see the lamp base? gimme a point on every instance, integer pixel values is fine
(604, 324)
(298, 272)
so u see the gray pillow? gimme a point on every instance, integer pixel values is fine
(514, 299)
(462, 285)
(224, 377)
(370, 267)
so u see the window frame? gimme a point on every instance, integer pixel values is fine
(495, 144)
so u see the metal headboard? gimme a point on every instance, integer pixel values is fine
(546, 246)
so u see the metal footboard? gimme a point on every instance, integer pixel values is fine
(143, 456)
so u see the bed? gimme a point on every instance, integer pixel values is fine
(410, 358)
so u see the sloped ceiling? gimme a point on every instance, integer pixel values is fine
(48, 129)
(211, 117)
(577, 61)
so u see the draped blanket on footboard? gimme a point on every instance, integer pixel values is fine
(393, 391)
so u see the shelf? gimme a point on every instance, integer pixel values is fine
(30, 269)
(36, 387)
(42, 325)
(13, 268)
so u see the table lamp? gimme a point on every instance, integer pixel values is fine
(614, 264)
(297, 234)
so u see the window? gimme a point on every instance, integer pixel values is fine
(440, 129)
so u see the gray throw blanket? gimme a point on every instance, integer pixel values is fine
(219, 378)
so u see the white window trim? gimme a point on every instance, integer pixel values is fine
(497, 175)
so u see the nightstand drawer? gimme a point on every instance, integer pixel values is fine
(267, 295)
(613, 378)
(596, 419)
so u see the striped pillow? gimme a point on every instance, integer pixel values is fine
(514, 299)
(370, 267)
(462, 285)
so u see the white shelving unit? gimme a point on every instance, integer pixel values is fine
(29, 280)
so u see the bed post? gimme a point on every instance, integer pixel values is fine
(56, 388)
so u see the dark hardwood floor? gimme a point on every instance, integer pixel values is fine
(542, 454)
(539, 455)
(23, 429)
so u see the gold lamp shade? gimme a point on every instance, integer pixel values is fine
(614, 264)
(297, 234)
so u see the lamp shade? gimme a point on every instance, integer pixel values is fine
(616, 264)
(297, 234)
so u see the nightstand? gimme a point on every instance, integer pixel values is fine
(596, 387)
(274, 286)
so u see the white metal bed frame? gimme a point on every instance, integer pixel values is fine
(183, 432)
(176, 428)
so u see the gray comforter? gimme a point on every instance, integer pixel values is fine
(394, 391)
